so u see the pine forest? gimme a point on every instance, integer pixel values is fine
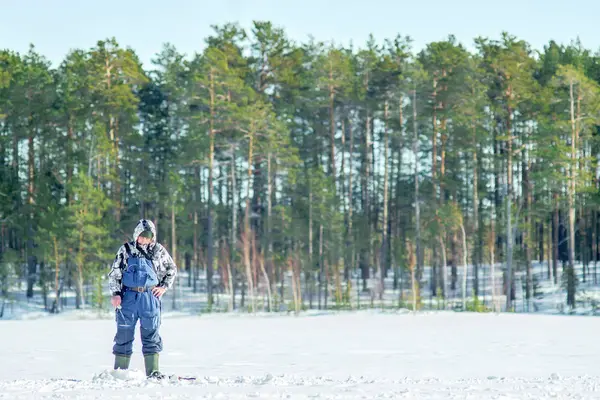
(287, 176)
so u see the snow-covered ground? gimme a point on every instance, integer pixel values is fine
(350, 355)
(548, 297)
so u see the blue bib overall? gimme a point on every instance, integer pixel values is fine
(138, 302)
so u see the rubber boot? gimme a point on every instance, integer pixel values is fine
(122, 362)
(151, 363)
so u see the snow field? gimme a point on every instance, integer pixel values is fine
(350, 355)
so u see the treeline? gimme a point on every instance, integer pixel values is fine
(260, 157)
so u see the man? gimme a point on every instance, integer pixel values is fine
(141, 273)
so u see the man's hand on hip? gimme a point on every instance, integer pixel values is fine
(158, 291)
(115, 301)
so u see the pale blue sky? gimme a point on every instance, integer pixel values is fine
(55, 26)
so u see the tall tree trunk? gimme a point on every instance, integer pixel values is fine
(413, 277)
(527, 237)
(287, 244)
(442, 185)
(310, 243)
(234, 228)
(444, 283)
(434, 181)
(15, 155)
(384, 228)
(498, 152)
(55, 306)
(434, 136)
(195, 222)
(31, 259)
(70, 159)
(509, 192)
(198, 247)
(584, 248)
(295, 284)
(444, 138)
(417, 199)
(477, 247)
(398, 188)
(343, 196)
(541, 247)
(263, 270)
(225, 261)
(321, 264)
(465, 266)
(331, 125)
(220, 190)
(269, 248)
(366, 264)
(555, 236)
(211, 157)
(80, 259)
(595, 222)
(571, 201)
(349, 231)
(444, 141)
(595, 242)
(247, 231)
(492, 247)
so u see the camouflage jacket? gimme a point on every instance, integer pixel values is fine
(165, 267)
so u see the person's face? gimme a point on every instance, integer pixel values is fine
(143, 240)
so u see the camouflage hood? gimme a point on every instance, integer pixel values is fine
(144, 224)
